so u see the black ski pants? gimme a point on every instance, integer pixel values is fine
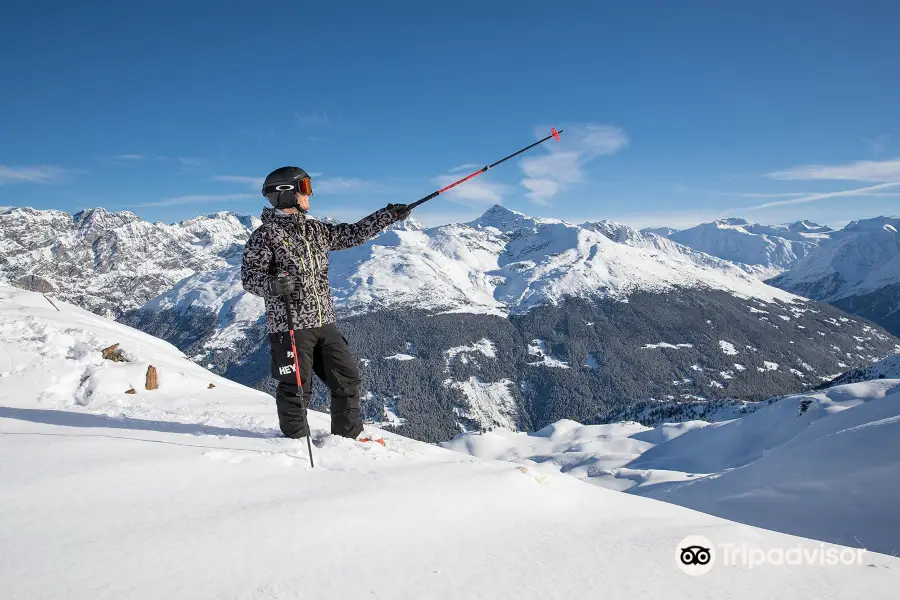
(323, 351)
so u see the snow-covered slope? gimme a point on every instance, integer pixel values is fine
(765, 249)
(221, 234)
(824, 465)
(888, 368)
(862, 258)
(184, 491)
(109, 262)
(218, 292)
(857, 271)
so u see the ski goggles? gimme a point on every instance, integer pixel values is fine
(303, 186)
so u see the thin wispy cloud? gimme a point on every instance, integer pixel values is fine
(257, 135)
(475, 192)
(879, 143)
(562, 163)
(758, 195)
(862, 170)
(257, 182)
(436, 218)
(199, 199)
(33, 174)
(468, 167)
(691, 190)
(313, 119)
(864, 191)
(541, 191)
(130, 157)
(339, 185)
(254, 182)
(675, 220)
(191, 162)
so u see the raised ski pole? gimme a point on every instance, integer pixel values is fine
(290, 319)
(553, 134)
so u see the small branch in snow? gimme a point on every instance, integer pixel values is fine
(51, 302)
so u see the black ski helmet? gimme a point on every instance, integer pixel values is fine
(281, 184)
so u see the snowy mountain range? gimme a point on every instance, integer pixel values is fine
(109, 262)
(858, 271)
(507, 320)
(158, 484)
(595, 321)
(765, 250)
(502, 263)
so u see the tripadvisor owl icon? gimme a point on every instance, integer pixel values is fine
(695, 555)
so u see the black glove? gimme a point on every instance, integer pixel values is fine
(399, 211)
(283, 285)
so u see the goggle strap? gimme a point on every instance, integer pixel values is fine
(304, 186)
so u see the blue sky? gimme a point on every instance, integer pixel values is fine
(675, 113)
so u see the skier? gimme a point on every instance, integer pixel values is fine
(287, 256)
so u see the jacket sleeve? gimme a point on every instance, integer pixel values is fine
(347, 235)
(256, 263)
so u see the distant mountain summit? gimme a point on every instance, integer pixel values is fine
(768, 249)
(858, 270)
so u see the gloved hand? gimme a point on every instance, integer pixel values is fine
(283, 285)
(399, 211)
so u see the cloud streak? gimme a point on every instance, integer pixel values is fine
(778, 195)
(541, 191)
(191, 162)
(339, 185)
(313, 119)
(32, 174)
(675, 220)
(199, 199)
(864, 191)
(254, 182)
(861, 170)
(473, 193)
(468, 167)
(563, 162)
(879, 143)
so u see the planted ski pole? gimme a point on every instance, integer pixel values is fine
(553, 134)
(290, 320)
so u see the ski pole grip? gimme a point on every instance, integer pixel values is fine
(287, 306)
(425, 199)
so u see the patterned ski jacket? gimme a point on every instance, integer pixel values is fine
(299, 246)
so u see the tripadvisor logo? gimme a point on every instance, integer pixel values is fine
(696, 555)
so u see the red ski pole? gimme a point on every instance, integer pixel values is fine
(290, 319)
(553, 134)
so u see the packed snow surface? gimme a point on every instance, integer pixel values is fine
(824, 465)
(187, 491)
